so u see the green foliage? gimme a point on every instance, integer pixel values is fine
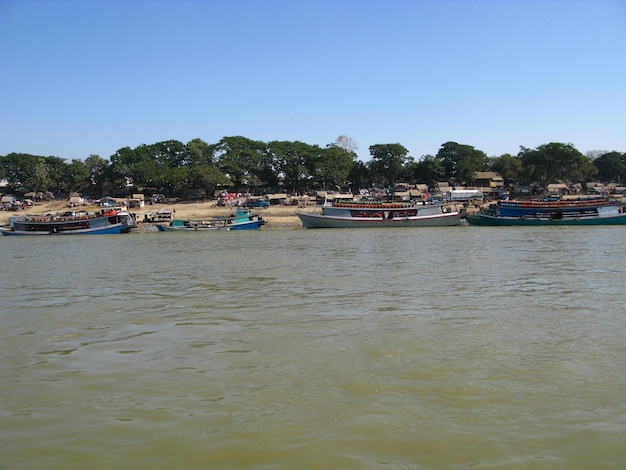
(244, 164)
(294, 161)
(553, 162)
(611, 167)
(333, 166)
(240, 158)
(509, 167)
(429, 170)
(96, 167)
(388, 161)
(360, 176)
(461, 162)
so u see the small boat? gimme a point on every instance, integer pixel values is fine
(108, 221)
(241, 220)
(601, 215)
(347, 214)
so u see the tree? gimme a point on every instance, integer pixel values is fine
(18, 170)
(96, 167)
(553, 162)
(171, 153)
(461, 162)
(200, 153)
(239, 158)
(39, 178)
(76, 176)
(360, 176)
(429, 170)
(611, 167)
(293, 161)
(345, 143)
(334, 165)
(206, 178)
(509, 167)
(388, 161)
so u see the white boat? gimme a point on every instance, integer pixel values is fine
(379, 214)
(108, 221)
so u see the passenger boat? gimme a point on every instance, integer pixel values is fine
(379, 214)
(549, 205)
(600, 215)
(241, 220)
(108, 221)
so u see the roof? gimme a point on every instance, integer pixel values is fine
(488, 175)
(557, 186)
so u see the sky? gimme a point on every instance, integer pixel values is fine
(82, 77)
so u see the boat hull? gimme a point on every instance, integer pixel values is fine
(113, 230)
(253, 225)
(242, 220)
(110, 222)
(498, 221)
(313, 220)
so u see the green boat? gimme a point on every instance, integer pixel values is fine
(607, 215)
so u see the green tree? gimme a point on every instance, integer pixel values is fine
(461, 162)
(206, 178)
(553, 162)
(292, 162)
(39, 178)
(76, 176)
(240, 158)
(96, 167)
(360, 176)
(57, 172)
(170, 153)
(334, 166)
(611, 167)
(200, 153)
(509, 167)
(387, 162)
(134, 166)
(429, 170)
(18, 170)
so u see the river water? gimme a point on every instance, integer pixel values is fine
(459, 347)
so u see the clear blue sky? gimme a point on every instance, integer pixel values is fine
(81, 77)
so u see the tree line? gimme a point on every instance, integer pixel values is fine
(238, 163)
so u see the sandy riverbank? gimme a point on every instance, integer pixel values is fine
(276, 216)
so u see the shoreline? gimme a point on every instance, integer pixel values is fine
(279, 216)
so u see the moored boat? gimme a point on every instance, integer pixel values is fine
(375, 215)
(112, 220)
(601, 215)
(241, 220)
(549, 205)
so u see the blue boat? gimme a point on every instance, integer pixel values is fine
(550, 205)
(602, 215)
(241, 220)
(112, 220)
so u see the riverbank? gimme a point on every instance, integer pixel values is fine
(279, 216)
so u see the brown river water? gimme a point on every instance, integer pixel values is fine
(435, 348)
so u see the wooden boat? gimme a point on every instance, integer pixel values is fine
(517, 208)
(602, 215)
(241, 220)
(375, 215)
(108, 221)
